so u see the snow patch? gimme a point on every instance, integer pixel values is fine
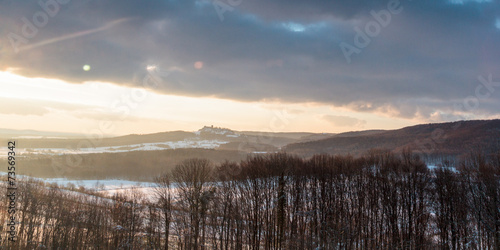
(188, 143)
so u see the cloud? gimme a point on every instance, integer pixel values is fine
(19, 106)
(344, 121)
(11, 106)
(427, 58)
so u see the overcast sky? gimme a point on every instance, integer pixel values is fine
(275, 65)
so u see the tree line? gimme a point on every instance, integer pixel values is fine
(276, 201)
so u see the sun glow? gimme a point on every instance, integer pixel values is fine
(55, 105)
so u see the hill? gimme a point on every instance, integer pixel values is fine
(206, 137)
(437, 139)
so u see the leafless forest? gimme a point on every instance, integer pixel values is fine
(277, 201)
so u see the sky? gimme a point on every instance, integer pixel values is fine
(126, 66)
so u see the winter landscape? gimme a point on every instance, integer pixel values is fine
(249, 124)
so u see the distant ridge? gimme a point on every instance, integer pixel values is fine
(435, 139)
(12, 133)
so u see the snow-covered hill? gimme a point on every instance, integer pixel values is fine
(206, 138)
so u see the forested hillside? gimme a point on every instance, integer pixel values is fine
(452, 139)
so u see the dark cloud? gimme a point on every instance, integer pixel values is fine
(344, 121)
(424, 61)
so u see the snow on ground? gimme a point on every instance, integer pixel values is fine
(113, 186)
(433, 167)
(188, 143)
(109, 186)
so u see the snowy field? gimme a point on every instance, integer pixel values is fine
(206, 144)
(110, 187)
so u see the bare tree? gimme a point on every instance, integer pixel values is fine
(164, 194)
(194, 178)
